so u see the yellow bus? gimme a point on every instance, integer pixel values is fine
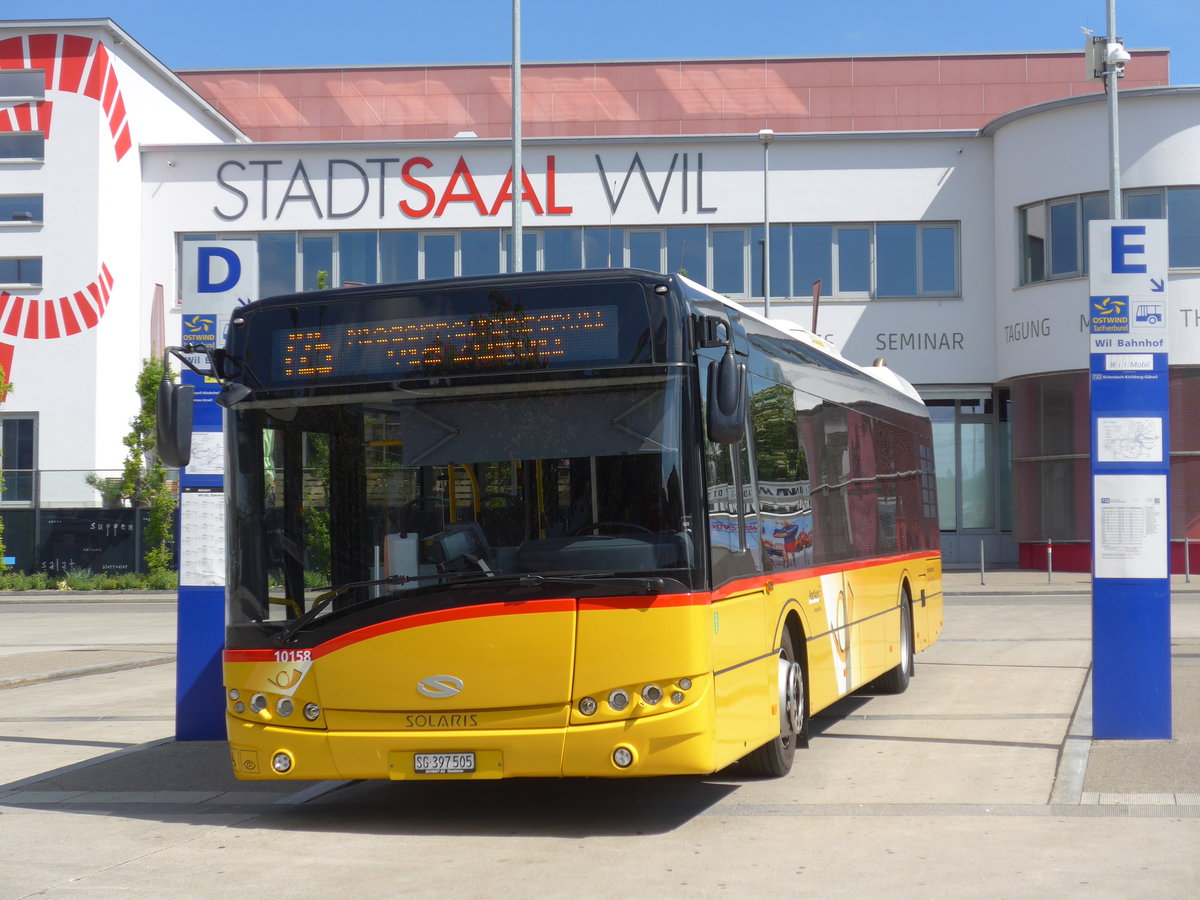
(600, 523)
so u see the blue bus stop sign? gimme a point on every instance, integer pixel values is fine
(1131, 586)
(216, 278)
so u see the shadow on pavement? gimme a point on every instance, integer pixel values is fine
(192, 782)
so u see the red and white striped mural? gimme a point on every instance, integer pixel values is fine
(79, 65)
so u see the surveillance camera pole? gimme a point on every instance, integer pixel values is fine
(1114, 149)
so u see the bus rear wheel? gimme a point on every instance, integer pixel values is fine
(774, 758)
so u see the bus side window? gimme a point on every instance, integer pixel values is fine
(784, 505)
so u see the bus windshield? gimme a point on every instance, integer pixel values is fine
(582, 478)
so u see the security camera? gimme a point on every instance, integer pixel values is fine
(1117, 56)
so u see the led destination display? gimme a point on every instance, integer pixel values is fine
(394, 348)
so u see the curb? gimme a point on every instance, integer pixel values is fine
(101, 669)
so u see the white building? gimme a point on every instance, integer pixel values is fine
(942, 213)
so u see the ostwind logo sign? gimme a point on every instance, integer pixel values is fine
(1110, 315)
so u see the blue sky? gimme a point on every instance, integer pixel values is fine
(251, 33)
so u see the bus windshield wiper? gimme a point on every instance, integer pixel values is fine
(323, 601)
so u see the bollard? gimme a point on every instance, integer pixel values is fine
(1187, 560)
(982, 579)
(1049, 561)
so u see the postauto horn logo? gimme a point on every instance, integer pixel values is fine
(1110, 315)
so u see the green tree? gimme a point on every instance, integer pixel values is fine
(144, 478)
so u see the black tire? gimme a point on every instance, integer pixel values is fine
(774, 758)
(896, 681)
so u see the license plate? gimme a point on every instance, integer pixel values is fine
(443, 763)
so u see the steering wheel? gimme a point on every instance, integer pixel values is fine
(603, 527)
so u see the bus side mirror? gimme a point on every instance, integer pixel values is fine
(175, 423)
(726, 399)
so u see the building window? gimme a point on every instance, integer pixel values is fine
(276, 264)
(438, 254)
(23, 84)
(1054, 233)
(480, 250)
(316, 255)
(852, 261)
(21, 210)
(529, 249)
(646, 250)
(1064, 238)
(687, 252)
(603, 248)
(398, 253)
(21, 271)
(1183, 227)
(562, 248)
(18, 441)
(781, 262)
(357, 257)
(729, 261)
(812, 260)
(21, 145)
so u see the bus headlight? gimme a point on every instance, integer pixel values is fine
(312, 712)
(588, 706)
(618, 699)
(284, 706)
(258, 703)
(652, 694)
(281, 762)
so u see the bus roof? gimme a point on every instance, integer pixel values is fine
(878, 371)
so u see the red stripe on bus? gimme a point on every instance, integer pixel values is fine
(486, 611)
(788, 576)
(661, 601)
(76, 50)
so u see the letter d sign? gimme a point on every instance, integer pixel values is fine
(217, 275)
(209, 259)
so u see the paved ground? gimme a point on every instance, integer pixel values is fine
(982, 778)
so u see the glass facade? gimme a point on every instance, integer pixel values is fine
(971, 456)
(854, 261)
(1053, 233)
(1052, 456)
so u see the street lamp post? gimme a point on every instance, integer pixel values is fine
(766, 136)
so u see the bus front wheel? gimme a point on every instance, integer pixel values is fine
(774, 758)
